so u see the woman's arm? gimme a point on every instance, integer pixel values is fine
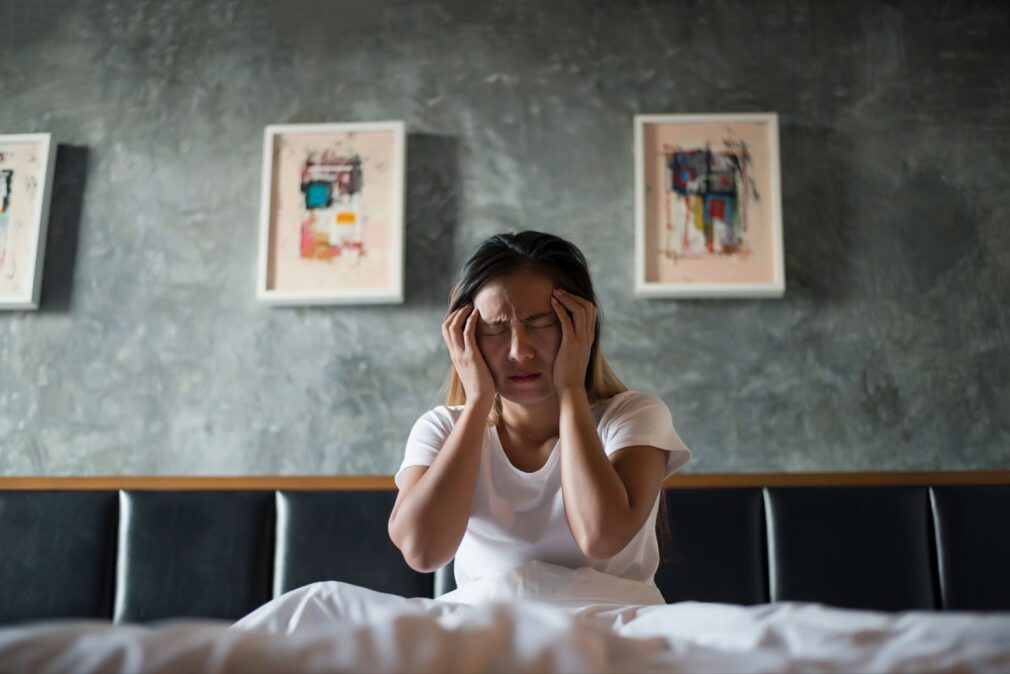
(607, 500)
(432, 509)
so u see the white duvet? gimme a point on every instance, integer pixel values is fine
(538, 618)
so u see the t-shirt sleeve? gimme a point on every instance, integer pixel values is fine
(426, 438)
(638, 418)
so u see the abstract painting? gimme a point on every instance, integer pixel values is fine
(331, 220)
(708, 206)
(26, 172)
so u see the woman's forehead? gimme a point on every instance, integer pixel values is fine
(519, 294)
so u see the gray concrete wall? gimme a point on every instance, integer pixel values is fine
(890, 349)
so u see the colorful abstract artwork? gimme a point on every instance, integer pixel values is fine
(709, 194)
(708, 206)
(331, 223)
(26, 165)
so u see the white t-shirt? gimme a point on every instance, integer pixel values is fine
(517, 517)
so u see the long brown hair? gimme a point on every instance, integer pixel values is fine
(563, 263)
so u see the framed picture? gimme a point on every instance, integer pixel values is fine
(26, 177)
(708, 206)
(331, 214)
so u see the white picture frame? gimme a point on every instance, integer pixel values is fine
(708, 206)
(331, 227)
(27, 161)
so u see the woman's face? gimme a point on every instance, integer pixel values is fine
(519, 335)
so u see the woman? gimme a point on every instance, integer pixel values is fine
(542, 475)
(541, 453)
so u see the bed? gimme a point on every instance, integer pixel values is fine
(766, 572)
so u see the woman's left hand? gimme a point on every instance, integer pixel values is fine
(577, 334)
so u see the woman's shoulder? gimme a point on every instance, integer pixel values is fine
(640, 418)
(440, 419)
(449, 413)
(630, 398)
(628, 402)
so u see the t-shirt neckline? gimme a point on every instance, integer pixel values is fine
(552, 458)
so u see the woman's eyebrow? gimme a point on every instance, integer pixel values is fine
(504, 321)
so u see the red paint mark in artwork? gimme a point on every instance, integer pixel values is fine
(308, 242)
(717, 209)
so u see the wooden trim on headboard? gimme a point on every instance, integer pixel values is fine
(351, 482)
(202, 482)
(842, 479)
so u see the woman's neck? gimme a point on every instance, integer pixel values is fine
(534, 424)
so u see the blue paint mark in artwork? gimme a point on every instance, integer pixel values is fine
(317, 195)
(686, 168)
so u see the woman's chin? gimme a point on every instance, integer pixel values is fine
(527, 396)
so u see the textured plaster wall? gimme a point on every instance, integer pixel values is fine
(890, 349)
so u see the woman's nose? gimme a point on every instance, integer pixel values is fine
(520, 348)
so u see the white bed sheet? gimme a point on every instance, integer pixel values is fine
(535, 619)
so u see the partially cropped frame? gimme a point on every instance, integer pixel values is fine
(331, 214)
(26, 177)
(708, 206)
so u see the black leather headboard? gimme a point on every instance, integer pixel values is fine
(855, 547)
(136, 555)
(193, 554)
(57, 554)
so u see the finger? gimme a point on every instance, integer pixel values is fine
(586, 325)
(585, 305)
(452, 316)
(457, 326)
(578, 318)
(470, 331)
(447, 328)
(566, 322)
(591, 314)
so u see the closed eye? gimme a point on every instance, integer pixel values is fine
(543, 322)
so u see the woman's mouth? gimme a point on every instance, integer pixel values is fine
(521, 378)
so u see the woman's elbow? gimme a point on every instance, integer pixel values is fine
(419, 561)
(419, 564)
(601, 547)
(413, 554)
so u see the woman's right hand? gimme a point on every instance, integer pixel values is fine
(460, 334)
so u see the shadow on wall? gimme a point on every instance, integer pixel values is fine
(432, 217)
(817, 214)
(69, 179)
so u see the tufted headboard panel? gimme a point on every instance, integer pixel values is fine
(143, 549)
